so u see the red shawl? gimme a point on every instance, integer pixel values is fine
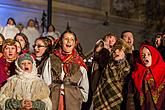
(157, 68)
(70, 58)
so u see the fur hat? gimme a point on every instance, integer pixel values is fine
(121, 44)
(25, 56)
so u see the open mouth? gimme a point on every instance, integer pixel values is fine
(10, 54)
(68, 45)
(36, 51)
(115, 56)
(110, 46)
(26, 69)
(146, 61)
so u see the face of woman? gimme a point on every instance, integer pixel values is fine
(118, 54)
(18, 47)
(146, 57)
(26, 65)
(158, 41)
(128, 38)
(10, 52)
(21, 41)
(112, 40)
(31, 24)
(39, 48)
(68, 42)
(50, 29)
(10, 22)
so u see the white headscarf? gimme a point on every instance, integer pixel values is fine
(25, 75)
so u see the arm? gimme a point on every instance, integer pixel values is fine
(47, 72)
(38, 104)
(13, 104)
(84, 84)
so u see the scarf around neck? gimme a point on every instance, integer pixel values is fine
(27, 76)
(157, 68)
(69, 59)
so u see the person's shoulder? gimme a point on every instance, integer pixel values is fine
(1, 54)
(2, 58)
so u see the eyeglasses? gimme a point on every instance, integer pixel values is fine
(38, 46)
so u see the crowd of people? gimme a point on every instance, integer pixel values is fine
(48, 71)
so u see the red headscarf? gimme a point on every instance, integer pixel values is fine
(70, 58)
(157, 68)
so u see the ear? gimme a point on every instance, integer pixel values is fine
(77, 42)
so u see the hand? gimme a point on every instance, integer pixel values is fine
(27, 104)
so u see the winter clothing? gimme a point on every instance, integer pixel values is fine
(108, 94)
(23, 86)
(150, 81)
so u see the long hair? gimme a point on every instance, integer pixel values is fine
(12, 20)
(25, 38)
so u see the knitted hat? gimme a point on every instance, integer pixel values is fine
(25, 56)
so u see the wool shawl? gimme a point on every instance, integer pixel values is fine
(69, 59)
(157, 69)
(108, 95)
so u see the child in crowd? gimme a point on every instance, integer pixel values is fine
(149, 79)
(69, 79)
(2, 39)
(19, 50)
(10, 30)
(42, 49)
(25, 90)
(51, 31)
(7, 60)
(31, 32)
(109, 91)
(22, 38)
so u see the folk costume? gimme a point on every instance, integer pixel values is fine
(23, 86)
(108, 95)
(43, 62)
(32, 33)
(150, 82)
(109, 92)
(9, 31)
(70, 82)
(7, 69)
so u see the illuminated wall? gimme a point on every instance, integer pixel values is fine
(85, 21)
(20, 14)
